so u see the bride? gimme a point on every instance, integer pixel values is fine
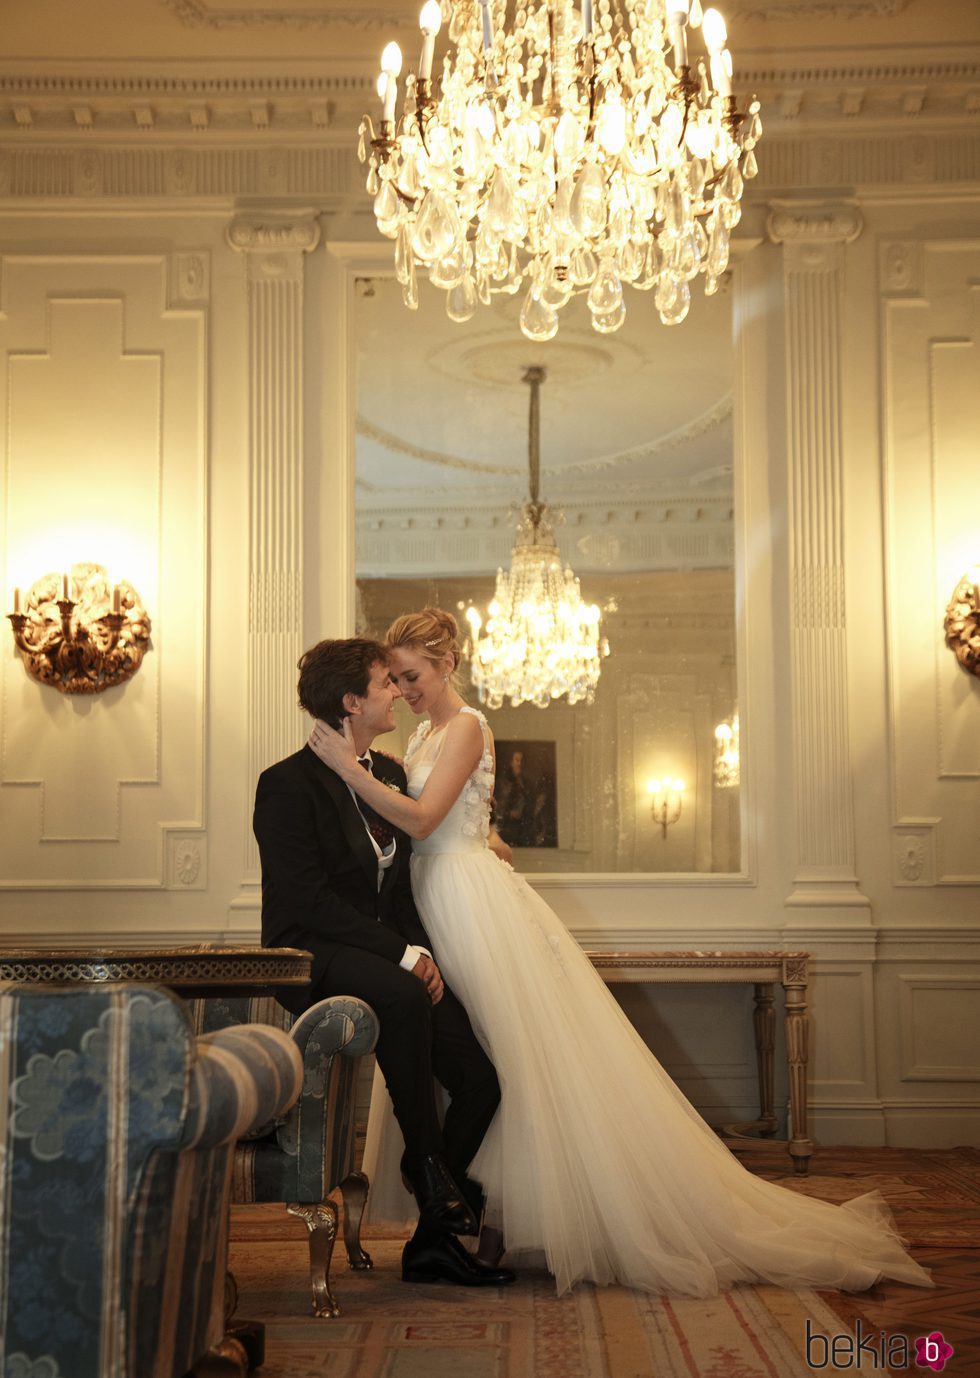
(594, 1158)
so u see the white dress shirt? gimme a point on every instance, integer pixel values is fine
(385, 859)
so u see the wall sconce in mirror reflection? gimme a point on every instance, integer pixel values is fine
(962, 622)
(666, 797)
(726, 754)
(77, 632)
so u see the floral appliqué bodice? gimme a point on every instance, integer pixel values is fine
(467, 824)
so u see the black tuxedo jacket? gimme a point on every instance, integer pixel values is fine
(320, 872)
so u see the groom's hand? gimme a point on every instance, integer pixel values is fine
(427, 971)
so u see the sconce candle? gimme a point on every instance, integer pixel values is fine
(666, 799)
(77, 645)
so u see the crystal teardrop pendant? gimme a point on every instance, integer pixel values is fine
(539, 321)
(588, 203)
(410, 291)
(582, 266)
(606, 293)
(362, 142)
(433, 236)
(403, 254)
(610, 321)
(449, 271)
(675, 303)
(461, 299)
(386, 209)
(373, 181)
(750, 166)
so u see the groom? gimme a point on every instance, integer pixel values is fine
(335, 880)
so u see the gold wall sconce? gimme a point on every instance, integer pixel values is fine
(962, 622)
(726, 764)
(666, 799)
(77, 632)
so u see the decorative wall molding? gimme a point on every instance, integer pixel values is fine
(274, 247)
(914, 853)
(96, 331)
(186, 863)
(929, 348)
(925, 1018)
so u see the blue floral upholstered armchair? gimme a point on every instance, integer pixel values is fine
(117, 1130)
(309, 1152)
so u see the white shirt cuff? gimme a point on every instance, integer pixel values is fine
(411, 956)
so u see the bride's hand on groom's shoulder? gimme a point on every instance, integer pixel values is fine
(335, 749)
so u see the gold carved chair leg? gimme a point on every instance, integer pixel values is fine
(226, 1360)
(354, 1190)
(321, 1221)
(765, 1043)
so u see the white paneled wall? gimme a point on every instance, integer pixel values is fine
(177, 404)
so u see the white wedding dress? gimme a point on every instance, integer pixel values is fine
(594, 1159)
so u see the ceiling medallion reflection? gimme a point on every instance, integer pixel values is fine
(574, 151)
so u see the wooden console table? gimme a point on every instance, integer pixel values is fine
(763, 970)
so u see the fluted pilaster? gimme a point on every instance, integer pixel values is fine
(274, 249)
(813, 240)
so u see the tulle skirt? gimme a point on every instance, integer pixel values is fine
(595, 1160)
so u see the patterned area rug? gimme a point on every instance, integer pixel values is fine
(393, 1330)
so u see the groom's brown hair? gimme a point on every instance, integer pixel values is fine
(331, 669)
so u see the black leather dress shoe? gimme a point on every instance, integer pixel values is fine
(445, 1260)
(442, 1206)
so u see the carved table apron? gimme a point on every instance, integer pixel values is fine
(762, 969)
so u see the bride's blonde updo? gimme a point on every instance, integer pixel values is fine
(431, 633)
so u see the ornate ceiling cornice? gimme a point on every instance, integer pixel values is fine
(205, 14)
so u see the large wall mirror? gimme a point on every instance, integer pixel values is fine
(636, 457)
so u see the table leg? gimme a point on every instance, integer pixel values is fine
(797, 1053)
(765, 1043)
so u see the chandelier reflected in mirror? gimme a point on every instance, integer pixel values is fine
(574, 150)
(541, 641)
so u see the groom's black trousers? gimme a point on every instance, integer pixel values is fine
(419, 1040)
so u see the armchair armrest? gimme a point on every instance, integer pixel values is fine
(245, 1077)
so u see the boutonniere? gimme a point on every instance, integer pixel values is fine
(392, 784)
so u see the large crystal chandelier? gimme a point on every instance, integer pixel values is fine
(580, 150)
(541, 642)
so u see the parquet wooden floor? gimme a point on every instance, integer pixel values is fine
(935, 1197)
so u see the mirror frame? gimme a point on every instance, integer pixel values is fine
(331, 517)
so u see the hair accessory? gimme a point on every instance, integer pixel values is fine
(430, 644)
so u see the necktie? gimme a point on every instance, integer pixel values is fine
(379, 829)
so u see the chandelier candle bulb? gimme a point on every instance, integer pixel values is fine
(116, 599)
(430, 22)
(17, 601)
(587, 17)
(677, 12)
(391, 65)
(65, 587)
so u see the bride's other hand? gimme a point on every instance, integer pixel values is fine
(335, 749)
(499, 847)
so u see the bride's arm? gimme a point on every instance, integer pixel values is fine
(461, 749)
